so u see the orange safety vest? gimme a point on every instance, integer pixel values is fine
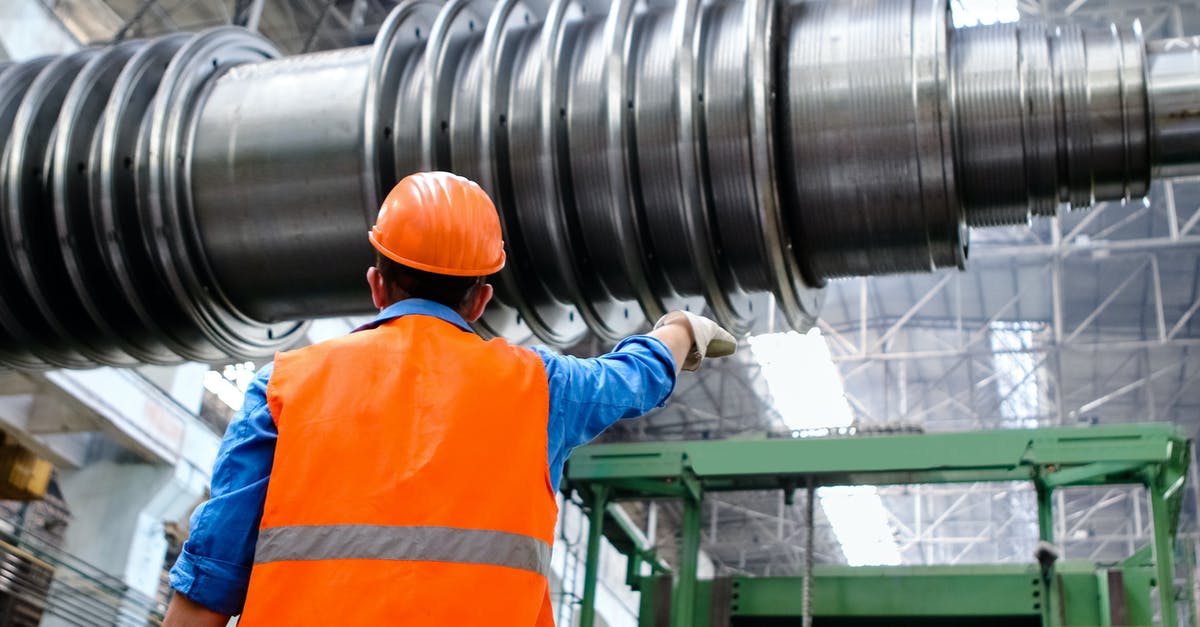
(411, 484)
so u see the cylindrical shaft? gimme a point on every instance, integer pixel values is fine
(207, 196)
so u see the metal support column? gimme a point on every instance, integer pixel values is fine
(683, 596)
(1164, 551)
(1045, 505)
(587, 613)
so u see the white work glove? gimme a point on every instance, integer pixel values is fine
(711, 339)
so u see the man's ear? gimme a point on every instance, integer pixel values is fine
(480, 297)
(379, 291)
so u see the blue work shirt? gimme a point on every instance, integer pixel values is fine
(586, 397)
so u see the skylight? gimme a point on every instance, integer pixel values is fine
(807, 392)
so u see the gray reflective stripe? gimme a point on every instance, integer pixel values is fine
(379, 542)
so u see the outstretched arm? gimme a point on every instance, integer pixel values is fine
(588, 395)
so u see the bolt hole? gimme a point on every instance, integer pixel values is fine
(128, 163)
(445, 125)
(519, 319)
(471, 25)
(418, 33)
(387, 132)
(750, 305)
(1037, 606)
(503, 119)
(1037, 593)
(700, 97)
(571, 316)
(629, 104)
(214, 62)
(80, 167)
(562, 112)
(270, 334)
(526, 18)
(626, 313)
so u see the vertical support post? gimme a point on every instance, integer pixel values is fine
(810, 523)
(587, 613)
(1045, 505)
(1164, 552)
(683, 596)
(1105, 601)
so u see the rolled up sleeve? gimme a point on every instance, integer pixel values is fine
(214, 567)
(588, 396)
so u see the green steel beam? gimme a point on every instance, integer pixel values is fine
(981, 594)
(1112, 453)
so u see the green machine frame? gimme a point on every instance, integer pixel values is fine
(1045, 593)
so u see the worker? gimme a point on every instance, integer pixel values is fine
(405, 473)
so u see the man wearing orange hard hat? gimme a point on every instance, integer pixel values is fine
(405, 474)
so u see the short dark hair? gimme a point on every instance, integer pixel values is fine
(450, 291)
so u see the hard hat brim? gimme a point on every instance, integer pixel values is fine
(412, 263)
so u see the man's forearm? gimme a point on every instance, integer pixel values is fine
(185, 612)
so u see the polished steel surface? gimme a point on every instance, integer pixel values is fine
(1175, 94)
(195, 197)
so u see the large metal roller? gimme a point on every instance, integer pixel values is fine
(198, 197)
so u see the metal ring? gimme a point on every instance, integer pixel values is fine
(550, 320)
(78, 243)
(799, 302)
(470, 156)
(1138, 117)
(168, 202)
(29, 228)
(125, 255)
(579, 147)
(16, 342)
(622, 216)
(442, 52)
(389, 55)
(944, 224)
(510, 318)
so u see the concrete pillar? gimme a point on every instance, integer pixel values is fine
(117, 515)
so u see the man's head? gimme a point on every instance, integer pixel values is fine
(437, 237)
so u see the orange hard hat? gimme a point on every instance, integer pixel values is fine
(441, 223)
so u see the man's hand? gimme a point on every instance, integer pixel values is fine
(703, 338)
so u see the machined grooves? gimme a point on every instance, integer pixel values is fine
(194, 197)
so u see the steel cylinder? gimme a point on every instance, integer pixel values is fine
(282, 202)
(1175, 95)
(198, 197)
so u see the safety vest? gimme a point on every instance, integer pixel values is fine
(410, 485)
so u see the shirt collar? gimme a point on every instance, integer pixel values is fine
(418, 307)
